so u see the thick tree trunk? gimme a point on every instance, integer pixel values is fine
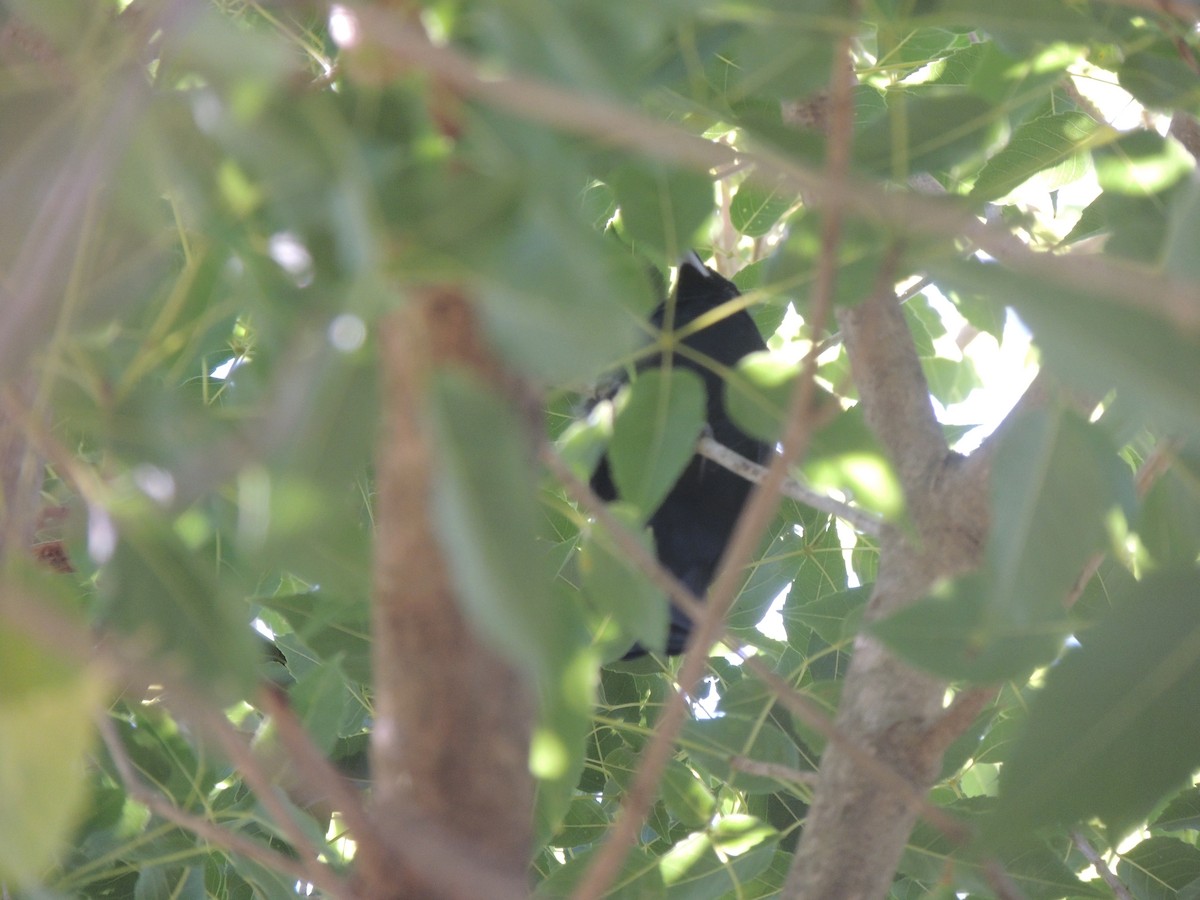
(452, 719)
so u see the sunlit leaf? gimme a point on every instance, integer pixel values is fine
(1036, 145)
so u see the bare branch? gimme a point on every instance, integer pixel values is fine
(1120, 891)
(894, 393)
(778, 771)
(863, 521)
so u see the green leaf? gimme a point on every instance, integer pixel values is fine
(1141, 164)
(1035, 868)
(655, 433)
(609, 580)
(1160, 868)
(1035, 146)
(1054, 479)
(755, 210)
(757, 398)
(686, 797)
(166, 596)
(486, 516)
(662, 209)
(1114, 728)
(955, 633)
(1169, 521)
(566, 314)
(1160, 77)
(1183, 234)
(834, 616)
(1182, 813)
(639, 878)
(329, 627)
(713, 742)
(585, 822)
(924, 133)
(692, 870)
(321, 699)
(47, 706)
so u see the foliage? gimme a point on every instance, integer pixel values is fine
(207, 208)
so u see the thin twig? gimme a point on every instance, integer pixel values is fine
(303, 870)
(863, 521)
(215, 725)
(879, 771)
(1120, 891)
(778, 771)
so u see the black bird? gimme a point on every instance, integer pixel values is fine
(696, 519)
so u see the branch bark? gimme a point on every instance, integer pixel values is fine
(452, 726)
(857, 828)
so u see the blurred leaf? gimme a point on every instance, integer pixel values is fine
(655, 434)
(1160, 77)
(165, 596)
(1054, 478)
(662, 209)
(1141, 164)
(755, 210)
(693, 871)
(1160, 867)
(924, 133)
(1169, 520)
(1183, 233)
(47, 705)
(1113, 729)
(638, 879)
(757, 399)
(560, 304)
(486, 517)
(1021, 26)
(609, 580)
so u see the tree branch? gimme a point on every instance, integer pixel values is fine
(452, 718)
(856, 829)
(863, 521)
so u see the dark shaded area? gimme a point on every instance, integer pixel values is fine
(695, 521)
